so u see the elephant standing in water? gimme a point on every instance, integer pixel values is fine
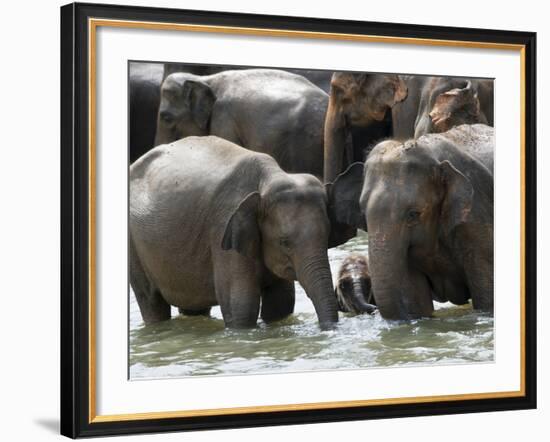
(428, 206)
(213, 223)
(358, 115)
(436, 104)
(268, 111)
(353, 285)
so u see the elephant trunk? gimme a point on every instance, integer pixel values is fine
(335, 138)
(401, 291)
(314, 275)
(360, 303)
(162, 134)
(423, 126)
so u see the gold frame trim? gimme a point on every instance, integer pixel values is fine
(93, 24)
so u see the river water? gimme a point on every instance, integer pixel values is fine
(198, 346)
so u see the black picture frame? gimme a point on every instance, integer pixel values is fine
(75, 220)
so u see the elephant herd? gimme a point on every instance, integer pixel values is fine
(256, 173)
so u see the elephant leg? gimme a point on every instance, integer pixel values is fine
(480, 283)
(237, 290)
(201, 312)
(478, 268)
(278, 300)
(152, 306)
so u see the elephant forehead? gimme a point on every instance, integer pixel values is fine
(294, 187)
(354, 264)
(391, 193)
(402, 170)
(293, 201)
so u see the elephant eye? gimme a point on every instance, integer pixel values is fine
(284, 242)
(167, 117)
(413, 216)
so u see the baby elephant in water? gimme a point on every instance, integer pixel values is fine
(353, 286)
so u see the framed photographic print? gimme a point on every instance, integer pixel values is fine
(275, 220)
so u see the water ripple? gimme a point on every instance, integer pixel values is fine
(199, 346)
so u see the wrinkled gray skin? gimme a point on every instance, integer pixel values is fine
(319, 78)
(269, 111)
(196, 69)
(436, 104)
(428, 206)
(353, 285)
(145, 82)
(213, 223)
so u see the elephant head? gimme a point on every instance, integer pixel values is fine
(410, 201)
(452, 102)
(353, 285)
(185, 108)
(356, 99)
(287, 223)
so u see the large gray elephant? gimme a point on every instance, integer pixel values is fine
(145, 80)
(428, 207)
(269, 111)
(358, 116)
(213, 223)
(319, 78)
(436, 104)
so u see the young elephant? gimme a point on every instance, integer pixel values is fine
(353, 285)
(213, 223)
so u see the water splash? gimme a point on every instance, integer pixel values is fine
(200, 346)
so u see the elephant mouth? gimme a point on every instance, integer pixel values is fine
(412, 303)
(379, 116)
(286, 272)
(421, 304)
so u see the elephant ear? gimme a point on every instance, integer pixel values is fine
(343, 85)
(242, 231)
(201, 101)
(401, 91)
(341, 306)
(343, 205)
(448, 104)
(458, 198)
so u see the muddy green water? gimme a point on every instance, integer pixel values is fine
(198, 346)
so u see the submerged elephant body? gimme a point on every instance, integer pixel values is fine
(268, 111)
(428, 206)
(213, 223)
(436, 104)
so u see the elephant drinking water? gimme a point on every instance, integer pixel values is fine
(428, 207)
(353, 285)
